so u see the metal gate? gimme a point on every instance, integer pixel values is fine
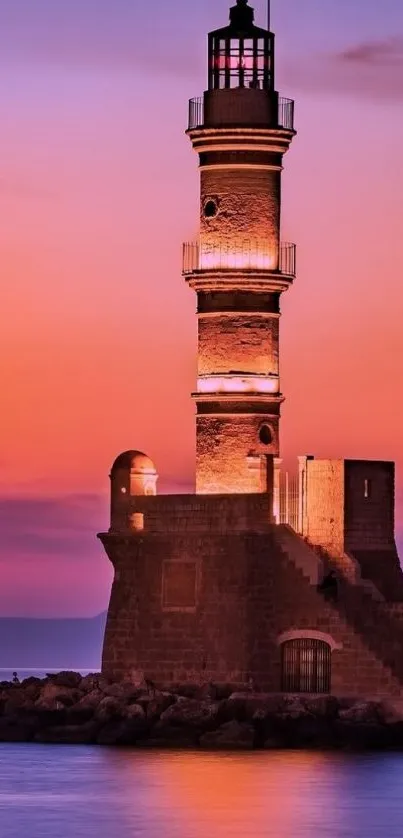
(289, 497)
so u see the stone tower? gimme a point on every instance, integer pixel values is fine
(240, 129)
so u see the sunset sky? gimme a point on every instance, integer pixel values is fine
(98, 189)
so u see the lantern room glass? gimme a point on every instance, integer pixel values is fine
(245, 62)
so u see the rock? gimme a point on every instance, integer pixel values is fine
(322, 705)
(54, 697)
(230, 735)
(186, 690)
(90, 700)
(125, 732)
(189, 712)
(32, 687)
(108, 709)
(84, 734)
(165, 735)
(15, 702)
(124, 691)
(91, 682)
(362, 736)
(241, 706)
(134, 711)
(390, 712)
(65, 679)
(154, 707)
(16, 730)
(365, 712)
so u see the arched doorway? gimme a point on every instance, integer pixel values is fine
(306, 666)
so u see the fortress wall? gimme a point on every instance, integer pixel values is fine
(198, 607)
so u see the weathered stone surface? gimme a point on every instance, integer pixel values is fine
(124, 691)
(189, 712)
(65, 679)
(155, 706)
(109, 708)
(54, 696)
(125, 732)
(365, 712)
(230, 735)
(84, 734)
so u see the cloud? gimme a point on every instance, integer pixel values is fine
(111, 35)
(373, 69)
(61, 528)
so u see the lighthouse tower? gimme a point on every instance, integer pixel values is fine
(239, 268)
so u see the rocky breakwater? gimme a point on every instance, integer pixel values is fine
(70, 709)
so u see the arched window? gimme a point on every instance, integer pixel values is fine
(305, 666)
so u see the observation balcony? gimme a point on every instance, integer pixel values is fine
(241, 256)
(280, 114)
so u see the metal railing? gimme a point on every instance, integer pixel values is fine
(241, 255)
(285, 114)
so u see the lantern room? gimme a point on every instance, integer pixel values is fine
(241, 55)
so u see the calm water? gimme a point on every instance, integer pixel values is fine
(80, 792)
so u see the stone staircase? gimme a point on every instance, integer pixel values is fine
(357, 605)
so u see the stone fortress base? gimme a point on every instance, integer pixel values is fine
(208, 589)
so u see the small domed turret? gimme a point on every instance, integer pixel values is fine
(133, 473)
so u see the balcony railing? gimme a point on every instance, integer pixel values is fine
(245, 256)
(285, 114)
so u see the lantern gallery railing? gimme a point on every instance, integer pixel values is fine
(285, 114)
(242, 255)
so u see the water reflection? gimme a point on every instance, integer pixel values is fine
(55, 792)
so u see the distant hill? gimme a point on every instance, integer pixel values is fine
(53, 644)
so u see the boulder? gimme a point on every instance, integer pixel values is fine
(92, 681)
(54, 696)
(90, 700)
(154, 707)
(15, 701)
(134, 711)
(65, 679)
(84, 734)
(188, 712)
(124, 732)
(364, 712)
(124, 691)
(165, 735)
(242, 706)
(230, 735)
(362, 736)
(109, 708)
(17, 730)
(326, 706)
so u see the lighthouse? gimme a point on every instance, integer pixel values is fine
(239, 267)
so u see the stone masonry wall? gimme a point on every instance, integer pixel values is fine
(324, 505)
(246, 343)
(249, 206)
(205, 607)
(223, 444)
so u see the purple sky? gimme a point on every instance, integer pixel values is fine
(93, 107)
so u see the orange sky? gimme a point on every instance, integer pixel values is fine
(98, 188)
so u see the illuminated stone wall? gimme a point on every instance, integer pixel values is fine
(324, 505)
(180, 590)
(223, 448)
(238, 342)
(248, 202)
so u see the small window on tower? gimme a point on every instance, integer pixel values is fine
(210, 209)
(265, 435)
(367, 488)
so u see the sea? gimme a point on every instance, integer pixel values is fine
(54, 791)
